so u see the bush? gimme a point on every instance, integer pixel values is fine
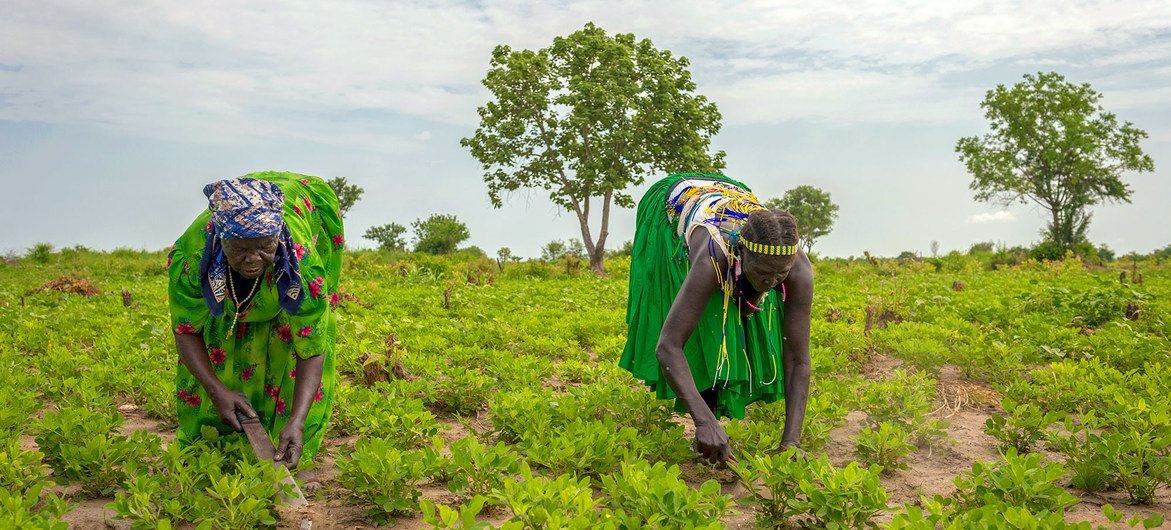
(40, 253)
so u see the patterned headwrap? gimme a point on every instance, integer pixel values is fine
(247, 208)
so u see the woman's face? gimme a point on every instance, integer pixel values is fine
(765, 273)
(250, 256)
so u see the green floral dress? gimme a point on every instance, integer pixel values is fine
(259, 357)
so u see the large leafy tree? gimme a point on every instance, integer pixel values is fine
(814, 210)
(1052, 144)
(388, 237)
(347, 194)
(439, 234)
(587, 118)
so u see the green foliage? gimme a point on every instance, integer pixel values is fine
(903, 400)
(541, 503)
(32, 509)
(814, 210)
(1021, 427)
(1018, 480)
(1153, 520)
(588, 447)
(479, 469)
(587, 118)
(388, 237)
(443, 517)
(886, 447)
(379, 474)
(347, 194)
(462, 391)
(1054, 145)
(812, 490)
(439, 234)
(40, 253)
(645, 495)
(212, 484)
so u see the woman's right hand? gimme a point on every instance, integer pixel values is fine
(712, 443)
(227, 403)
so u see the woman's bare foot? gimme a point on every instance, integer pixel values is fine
(307, 478)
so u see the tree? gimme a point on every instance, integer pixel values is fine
(347, 194)
(1051, 143)
(588, 117)
(439, 234)
(388, 237)
(814, 210)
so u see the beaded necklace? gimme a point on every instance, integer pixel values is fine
(236, 298)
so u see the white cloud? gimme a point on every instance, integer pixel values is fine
(423, 136)
(222, 71)
(1002, 216)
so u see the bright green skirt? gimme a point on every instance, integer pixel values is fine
(752, 370)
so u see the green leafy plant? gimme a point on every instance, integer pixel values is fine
(1022, 427)
(1017, 480)
(587, 447)
(887, 447)
(654, 496)
(379, 474)
(480, 470)
(813, 491)
(1153, 520)
(31, 509)
(463, 391)
(543, 503)
(443, 517)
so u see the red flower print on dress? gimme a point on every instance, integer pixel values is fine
(305, 331)
(242, 326)
(293, 373)
(183, 394)
(217, 355)
(300, 250)
(193, 400)
(247, 373)
(184, 329)
(305, 181)
(280, 406)
(285, 333)
(333, 301)
(271, 391)
(315, 287)
(297, 209)
(338, 240)
(308, 205)
(319, 395)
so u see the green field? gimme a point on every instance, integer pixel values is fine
(943, 393)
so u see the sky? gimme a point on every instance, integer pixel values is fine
(113, 115)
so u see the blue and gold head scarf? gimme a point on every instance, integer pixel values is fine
(247, 208)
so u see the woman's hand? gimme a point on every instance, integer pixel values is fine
(227, 403)
(288, 447)
(712, 443)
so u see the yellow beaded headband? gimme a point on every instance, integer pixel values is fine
(771, 250)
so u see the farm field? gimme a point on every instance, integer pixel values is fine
(943, 394)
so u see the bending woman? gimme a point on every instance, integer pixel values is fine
(253, 289)
(719, 305)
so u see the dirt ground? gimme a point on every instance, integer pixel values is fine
(964, 405)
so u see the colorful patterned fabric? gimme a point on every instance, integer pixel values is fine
(732, 349)
(259, 356)
(247, 208)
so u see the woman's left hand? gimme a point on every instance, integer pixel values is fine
(288, 447)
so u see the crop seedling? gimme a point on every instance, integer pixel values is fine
(1022, 427)
(654, 496)
(379, 474)
(886, 447)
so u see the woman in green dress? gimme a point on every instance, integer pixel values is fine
(719, 305)
(253, 292)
